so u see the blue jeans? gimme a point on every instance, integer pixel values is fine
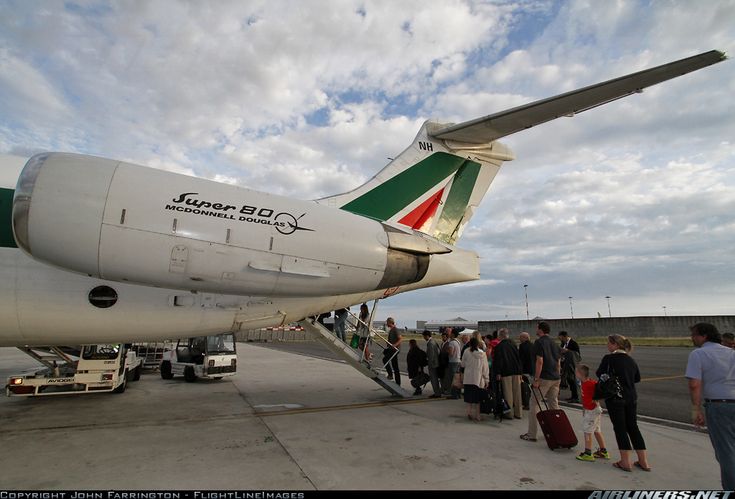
(720, 417)
(449, 372)
(339, 327)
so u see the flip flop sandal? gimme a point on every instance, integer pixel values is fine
(640, 466)
(621, 467)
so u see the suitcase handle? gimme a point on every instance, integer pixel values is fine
(535, 397)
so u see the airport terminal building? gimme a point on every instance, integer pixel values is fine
(435, 325)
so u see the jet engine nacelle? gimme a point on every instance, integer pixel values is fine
(124, 222)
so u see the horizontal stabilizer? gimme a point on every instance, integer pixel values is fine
(495, 126)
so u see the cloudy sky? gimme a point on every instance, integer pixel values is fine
(634, 200)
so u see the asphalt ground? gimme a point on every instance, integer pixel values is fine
(288, 421)
(662, 393)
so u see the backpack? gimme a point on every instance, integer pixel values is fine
(420, 380)
(423, 360)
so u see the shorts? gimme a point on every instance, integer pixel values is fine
(591, 419)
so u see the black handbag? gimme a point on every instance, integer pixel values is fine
(608, 386)
(420, 380)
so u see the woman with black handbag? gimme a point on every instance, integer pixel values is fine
(621, 402)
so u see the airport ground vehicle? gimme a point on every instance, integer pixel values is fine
(209, 357)
(84, 369)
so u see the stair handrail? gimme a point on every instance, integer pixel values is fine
(371, 331)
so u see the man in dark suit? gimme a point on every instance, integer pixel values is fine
(507, 370)
(570, 357)
(432, 358)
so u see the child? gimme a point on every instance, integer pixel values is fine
(591, 417)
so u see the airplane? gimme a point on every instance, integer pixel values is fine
(95, 250)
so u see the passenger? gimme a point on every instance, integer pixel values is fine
(480, 342)
(711, 374)
(507, 370)
(465, 341)
(340, 319)
(395, 339)
(432, 359)
(570, 357)
(546, 376)
(623, 411)
(591, 416)
(416, 360)
(487, 339)
(444, 362)
(728, 340)
(525, 350)
(363, 331)
(453, 349)
(476, 379)
(492, 344)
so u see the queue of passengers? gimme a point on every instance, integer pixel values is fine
(469, 365)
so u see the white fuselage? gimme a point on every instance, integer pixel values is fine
(231, 274)
(43, 305)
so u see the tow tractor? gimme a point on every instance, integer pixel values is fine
(76, 370)
(209, 357)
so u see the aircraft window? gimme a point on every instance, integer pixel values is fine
(100, 352)
(103, 297)
(224, 343)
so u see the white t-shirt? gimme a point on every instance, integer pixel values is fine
(454, 351)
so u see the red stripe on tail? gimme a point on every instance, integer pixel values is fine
(418, 217)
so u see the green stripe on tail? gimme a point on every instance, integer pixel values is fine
(393, 195)
(457, 201)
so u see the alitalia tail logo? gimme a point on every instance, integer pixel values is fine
(283, 222)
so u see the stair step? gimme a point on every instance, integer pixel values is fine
(325, 336)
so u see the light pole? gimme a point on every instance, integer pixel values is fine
(664, 307)
(571, 307)
(525, 290)
(609, 313)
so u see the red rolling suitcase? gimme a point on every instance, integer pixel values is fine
(555, 426)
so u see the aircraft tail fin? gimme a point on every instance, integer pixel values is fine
(434, 186)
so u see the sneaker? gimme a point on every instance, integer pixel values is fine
(601, 454)
(390, 377)
(586, 457)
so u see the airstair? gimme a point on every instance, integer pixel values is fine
(356, 357)
(53, 357)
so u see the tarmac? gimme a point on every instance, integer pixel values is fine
(289, 421)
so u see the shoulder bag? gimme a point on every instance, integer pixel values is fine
(608, 386)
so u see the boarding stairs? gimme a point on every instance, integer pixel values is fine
(58, 359)
(356, 357)
(49, 356)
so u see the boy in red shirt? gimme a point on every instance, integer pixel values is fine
(591, 417)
